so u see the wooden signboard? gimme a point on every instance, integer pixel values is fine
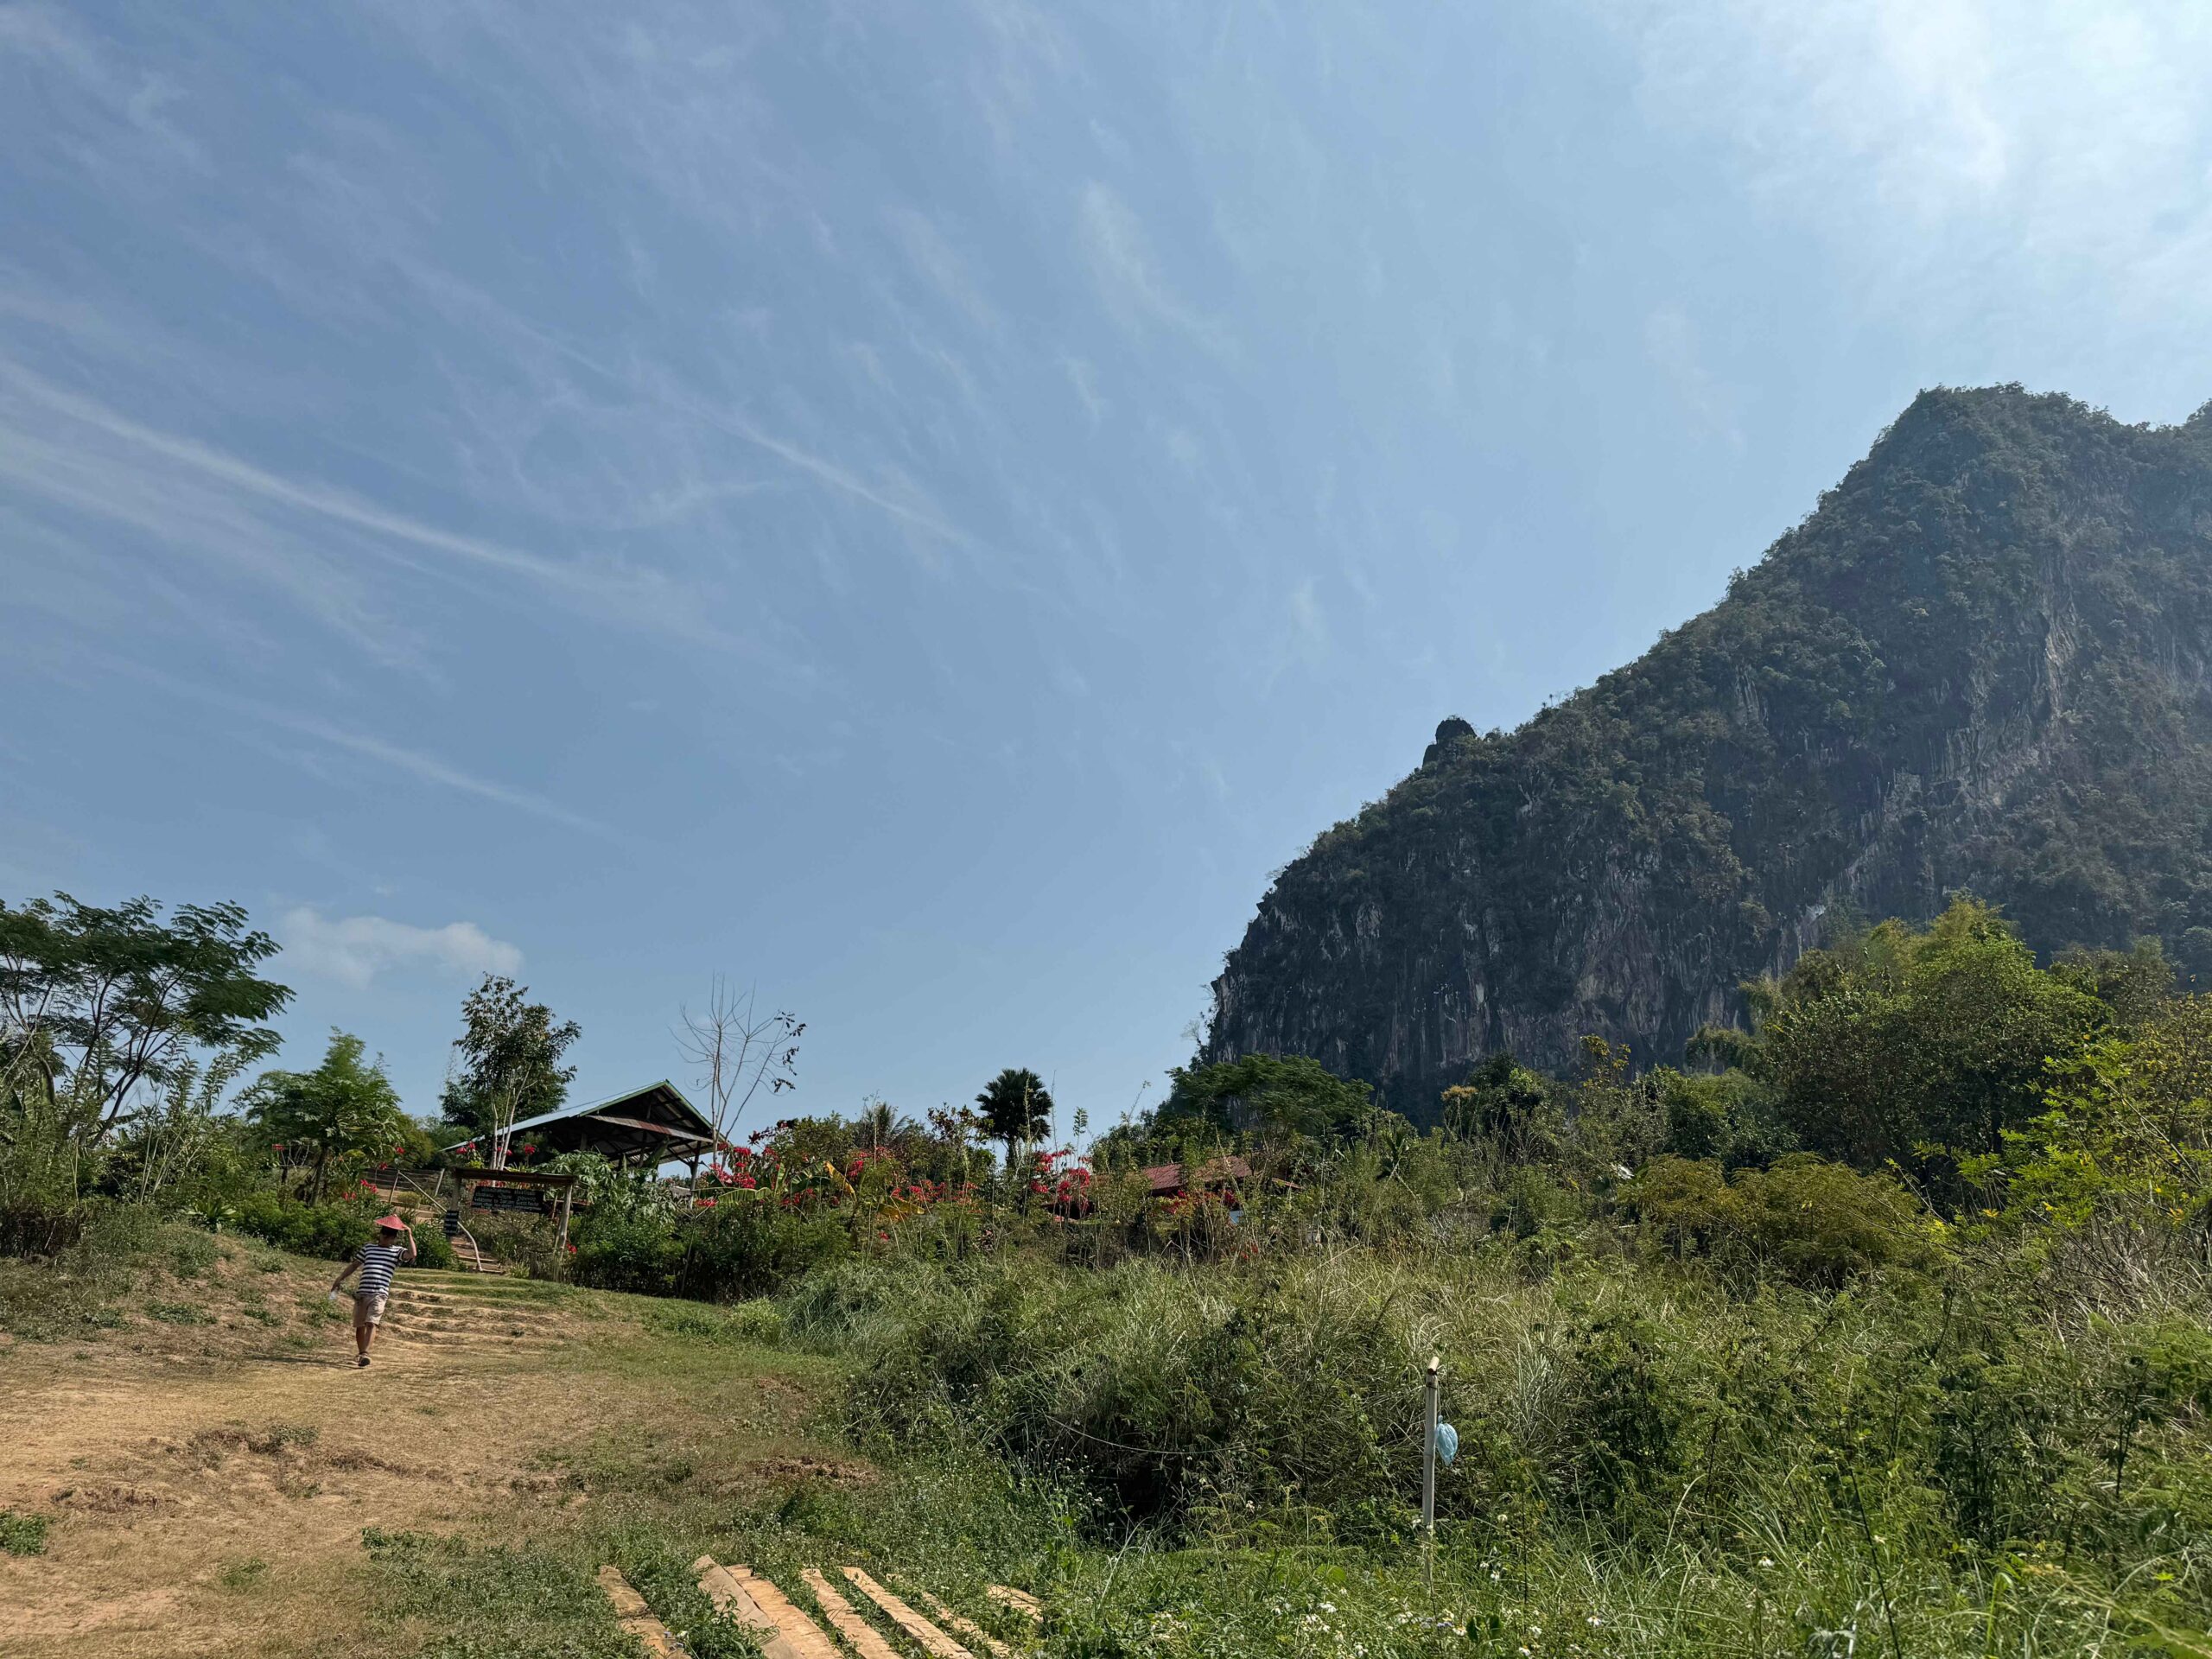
(507, 1200)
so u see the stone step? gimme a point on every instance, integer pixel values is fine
(434, 1319)
(495, 1338)
(933, 1640)
(631, 1612)
(511, 1294)
(488, 1345)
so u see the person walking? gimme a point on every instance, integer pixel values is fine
(378, 1259)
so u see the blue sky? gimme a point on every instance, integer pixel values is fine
(923, 506)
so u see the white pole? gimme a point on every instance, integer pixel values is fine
(1428, 1476)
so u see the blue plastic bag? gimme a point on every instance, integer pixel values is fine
(1447, 1443)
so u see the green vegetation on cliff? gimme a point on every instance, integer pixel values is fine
(1984, 664)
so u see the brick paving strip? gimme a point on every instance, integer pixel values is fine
(733, 1600)
(967, 1627)
(861, 1637)
(802, 1632)
(636, 1618)
(1021, 1600)
(907, 1619)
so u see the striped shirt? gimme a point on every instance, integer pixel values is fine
(378, 1262)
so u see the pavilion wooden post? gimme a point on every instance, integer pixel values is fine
(568, 1193)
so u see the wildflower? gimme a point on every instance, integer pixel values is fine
(1594, 1622)
(1766, 1560)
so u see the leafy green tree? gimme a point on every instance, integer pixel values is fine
(1729, 1118)
(1016, 1109)
(1915, 1046)
(1271, 1099)
(167, 1146)
(345, 1108)
(2136, 983)
(508, 1060)
(2126, 1132)
(101, 1008)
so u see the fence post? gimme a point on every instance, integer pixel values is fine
(1428, 1475)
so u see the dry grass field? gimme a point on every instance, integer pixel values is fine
(206, 1458)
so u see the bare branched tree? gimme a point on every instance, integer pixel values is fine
(739, 1052)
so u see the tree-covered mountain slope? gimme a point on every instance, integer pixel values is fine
(1984, 662)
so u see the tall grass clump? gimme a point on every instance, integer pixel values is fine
(1684, 1453)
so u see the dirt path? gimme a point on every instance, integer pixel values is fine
(207, 1485)
(174, 1485)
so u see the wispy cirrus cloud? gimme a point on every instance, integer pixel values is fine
(415, 763)
(1932, 140)
(112, 477)
(1120, 256)
(128, 106)
(429, 769)
(355, 950)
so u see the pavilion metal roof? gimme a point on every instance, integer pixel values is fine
(658, 1117)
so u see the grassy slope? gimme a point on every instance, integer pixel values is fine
(212, 1490)
(207, 1461)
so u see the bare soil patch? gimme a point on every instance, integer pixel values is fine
(207, 1484)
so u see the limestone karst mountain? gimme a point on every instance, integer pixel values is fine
(1984, 662)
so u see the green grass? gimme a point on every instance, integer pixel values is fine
(1789, 1489)
(1213, 1461)
(494, 1602)
(243, 1574)
(21, 1534)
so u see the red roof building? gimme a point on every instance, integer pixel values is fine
(1167, 1180)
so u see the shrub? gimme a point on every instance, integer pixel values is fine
(1624, 1421)
(1682, 1204)
(747, 1247)
(35, 1229)
(1822, 1222)
(623, 1248)
(1817, 1222)
(433, 1251)
(1728, 1119)
(333, 1231)
(528, 1244)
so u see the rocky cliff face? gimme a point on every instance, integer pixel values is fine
(1984, 662)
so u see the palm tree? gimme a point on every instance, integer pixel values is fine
(877, 1126)
(1016, 1109)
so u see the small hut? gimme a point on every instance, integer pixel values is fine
(653, 1126)
(1221, 1177)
